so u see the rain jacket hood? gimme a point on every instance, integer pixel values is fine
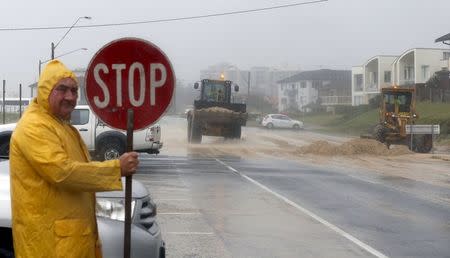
(53, 181)
(53, 73)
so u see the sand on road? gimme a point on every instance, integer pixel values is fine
(318, 149)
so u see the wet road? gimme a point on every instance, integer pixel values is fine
(231, 207)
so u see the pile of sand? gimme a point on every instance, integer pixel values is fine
(352, 147)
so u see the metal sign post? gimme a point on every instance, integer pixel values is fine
(128, 187)
(126, 79)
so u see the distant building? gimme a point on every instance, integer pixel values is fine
(260, 80)
(413, 68)
(325, 87)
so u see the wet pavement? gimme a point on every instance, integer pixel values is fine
(223, 206)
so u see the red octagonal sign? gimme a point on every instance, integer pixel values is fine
(129, 73)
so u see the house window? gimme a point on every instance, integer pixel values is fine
(425, 72)
(373, 77)
(446, 55)
(359, 82)
(408, 73)
(303, 85)
(387, 76)
(317, 84)
(293, 86)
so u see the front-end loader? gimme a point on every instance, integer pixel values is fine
(214, 114)
(397, 121)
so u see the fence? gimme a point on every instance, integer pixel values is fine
(12, 108)
(335, 100)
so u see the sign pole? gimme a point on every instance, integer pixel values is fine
(128, 78)
(128, 187)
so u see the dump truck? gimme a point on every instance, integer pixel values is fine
(214, 114)
(397, 121)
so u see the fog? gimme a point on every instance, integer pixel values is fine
(335, 34)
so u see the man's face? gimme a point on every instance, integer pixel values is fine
(63, 98)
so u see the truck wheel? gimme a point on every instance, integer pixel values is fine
(189, 130)
(237, 132)
(423, 143)
(112, 149)
(196, 134)
(4, 148)
(379, 133)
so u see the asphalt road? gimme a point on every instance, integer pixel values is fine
(212, 206)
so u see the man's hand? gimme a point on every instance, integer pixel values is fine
(128, 163)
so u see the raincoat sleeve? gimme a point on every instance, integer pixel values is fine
(53, 162)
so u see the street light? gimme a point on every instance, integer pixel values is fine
(70, 52)
(53, 46)
(43, 62)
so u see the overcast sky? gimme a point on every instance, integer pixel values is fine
(335, 34)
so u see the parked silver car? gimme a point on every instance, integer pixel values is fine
(281, 121)
(146, 239)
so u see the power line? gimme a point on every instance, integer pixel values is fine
(166, 20)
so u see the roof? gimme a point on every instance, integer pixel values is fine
(443, 38)
(320, 75)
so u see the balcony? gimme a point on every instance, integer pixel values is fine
(406, 82)
(359, 88)
(372, 87)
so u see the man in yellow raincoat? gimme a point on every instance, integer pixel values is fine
(53, 181)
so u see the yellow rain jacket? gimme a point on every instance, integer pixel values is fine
(53, 182)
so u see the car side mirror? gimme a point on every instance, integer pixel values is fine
(196, 85)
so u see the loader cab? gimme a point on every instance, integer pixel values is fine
(215, 90)
(397, 101)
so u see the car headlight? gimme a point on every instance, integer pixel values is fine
(112, 208)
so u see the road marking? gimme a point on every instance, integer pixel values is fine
(179, 213)
(190, 233)
(173, 199)
(336, 229)
(154, 181)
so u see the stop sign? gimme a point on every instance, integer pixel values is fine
(129, 73)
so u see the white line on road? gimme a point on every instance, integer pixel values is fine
(179, 213)
(172, 199)
(190, 233)
(336, 229)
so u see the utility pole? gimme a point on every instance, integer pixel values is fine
(3, 103)
(53, 51)
(20, 100)
(248, 88)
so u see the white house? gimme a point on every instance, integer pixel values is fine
(415, 66)
(296, 95)
(368, 79)
(325, 86)
(358, 93)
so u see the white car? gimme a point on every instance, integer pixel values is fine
(281, 121)
(102, 141)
